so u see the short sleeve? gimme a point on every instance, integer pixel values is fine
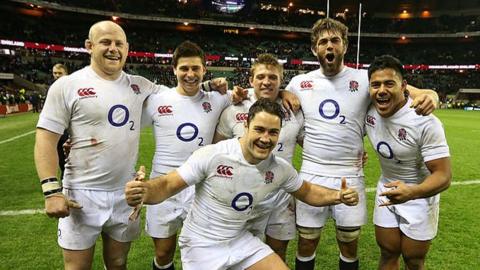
(195, 169)
(56, 112)
(433, 141)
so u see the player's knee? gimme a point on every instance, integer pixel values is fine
(164, 256)
(309, 233)
(118, 262)
(414, 263)
(347, 234)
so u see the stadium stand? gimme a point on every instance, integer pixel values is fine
(444, 59)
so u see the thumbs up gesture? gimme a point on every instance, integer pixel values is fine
(348, 196)
(136, 211)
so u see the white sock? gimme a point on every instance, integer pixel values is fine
(305, 259)
(348, 260)
(161, 266)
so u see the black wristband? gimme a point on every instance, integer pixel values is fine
(49, 180)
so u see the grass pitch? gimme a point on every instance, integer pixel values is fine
(29, 241)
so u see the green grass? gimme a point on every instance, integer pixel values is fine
(29, 241)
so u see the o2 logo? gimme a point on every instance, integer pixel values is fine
(118, 116)
(331, 103)
(188, 132)
(242, 201)
(384, 150)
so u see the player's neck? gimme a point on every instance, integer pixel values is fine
(181, 91)
(104, 75)
(331, 73)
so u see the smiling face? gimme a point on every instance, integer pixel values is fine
(189, 72)
(387, 91)
(260, 137)
(108, 48)
(266, 80)
(330, 50)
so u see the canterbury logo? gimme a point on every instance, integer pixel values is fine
(306, 84)
(225, 171)
(165, 109)
(86, 92)
(241, 117)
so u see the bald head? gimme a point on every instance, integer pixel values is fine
(105, 26)
(108, 48)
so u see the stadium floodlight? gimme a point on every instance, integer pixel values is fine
(228, 6)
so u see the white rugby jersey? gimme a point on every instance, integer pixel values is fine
(334, 109)
(103, 120)
(404, 142)
(231, 125)
(181, 124)
(229, 189)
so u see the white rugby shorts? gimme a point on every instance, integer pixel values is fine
(166, 218)
(102, 211)
(236, 254)
(417, 219)
(344, 215)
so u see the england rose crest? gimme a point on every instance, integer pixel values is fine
(353, 86)
(402, 134)
(135, 89)
(207, 107)
(269, 177)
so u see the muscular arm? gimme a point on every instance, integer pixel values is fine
(45, 153)
(438, 181)
(316, 195)
(155, 190)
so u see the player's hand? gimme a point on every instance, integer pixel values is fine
(239, 94)
(289, 100)
(219, 84)
(348, 196)
(399, 193)
(58, 206)
(67, 145)
(424, 104)
(362, 161)
(140, 176)
(136, 189)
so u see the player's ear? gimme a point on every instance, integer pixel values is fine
(88, 45)
(313, 51)
(174, 70)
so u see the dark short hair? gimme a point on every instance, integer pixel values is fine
(328, 24)
(188, 49)
(384, 62)
(265, 105)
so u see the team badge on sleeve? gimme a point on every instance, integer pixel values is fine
(402, 134)
(353, 86)
(269, 177)
(207, 107)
